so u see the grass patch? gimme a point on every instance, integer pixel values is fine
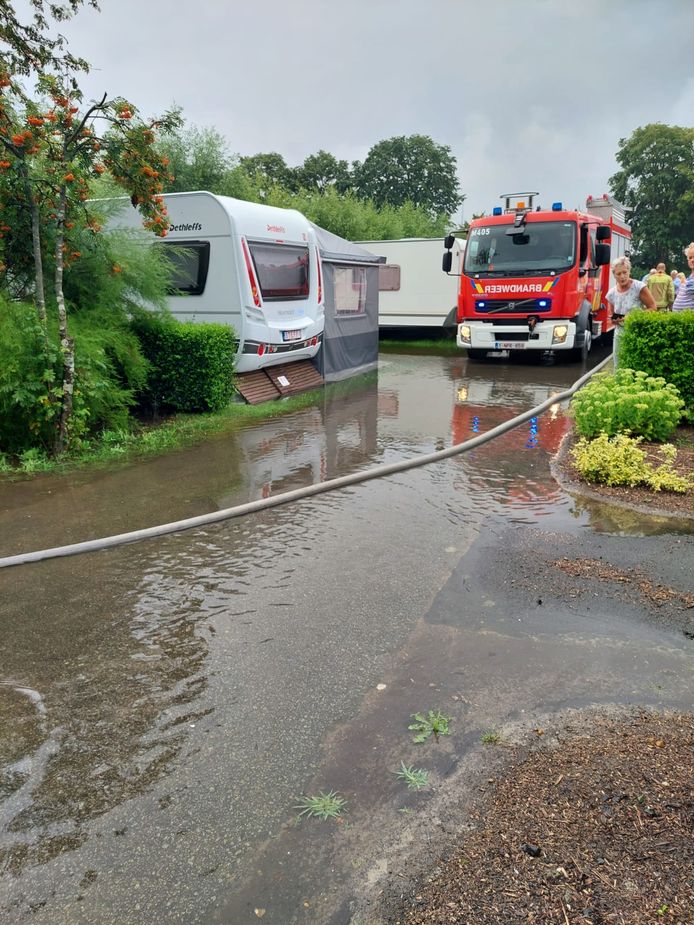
(323, 806)
(178, 431)
(415, 778)
(491, 738)
(443, 345)
(434, 723)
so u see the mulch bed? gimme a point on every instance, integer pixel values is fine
(595, 830)
(667, 502)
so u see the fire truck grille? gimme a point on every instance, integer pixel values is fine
(514, 307)
(514, 335)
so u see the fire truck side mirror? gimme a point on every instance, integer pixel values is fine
(602, 254)
(603, 233)
(449, 241)
(447, 262)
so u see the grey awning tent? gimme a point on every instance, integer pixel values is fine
(350, 281)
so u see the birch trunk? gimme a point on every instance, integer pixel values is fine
(67, 344)
(39, 290)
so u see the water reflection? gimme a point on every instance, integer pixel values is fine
(337, 436)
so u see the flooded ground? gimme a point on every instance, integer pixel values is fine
(164, 706)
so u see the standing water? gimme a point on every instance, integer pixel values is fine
(164, 706)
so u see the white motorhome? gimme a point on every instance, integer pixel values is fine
(413, 292)
(254, 267)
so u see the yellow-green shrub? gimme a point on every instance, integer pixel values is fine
(630, 401)
(620, 461)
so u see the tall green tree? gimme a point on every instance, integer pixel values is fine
(412, 169)
(199, 159)
(656, 182)
(268, 170)
(323, 171)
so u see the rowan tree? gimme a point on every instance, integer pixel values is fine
(56, 147)
(25, 45)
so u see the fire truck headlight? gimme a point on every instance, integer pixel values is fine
(559, 333)
(464, 333)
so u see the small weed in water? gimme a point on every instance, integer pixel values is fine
(415, 778)
(434, 723)
(323, 806)
(491, 738)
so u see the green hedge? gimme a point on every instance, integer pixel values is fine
(662, 344)
(192, 365)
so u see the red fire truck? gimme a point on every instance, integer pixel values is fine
(536, 279)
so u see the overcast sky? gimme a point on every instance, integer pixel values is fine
(528, 94)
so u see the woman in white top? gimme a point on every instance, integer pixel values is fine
(627, 295)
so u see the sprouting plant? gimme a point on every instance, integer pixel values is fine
(323, 806)
(661, 910)
(415, 778)
(491, 738)
(434, 723)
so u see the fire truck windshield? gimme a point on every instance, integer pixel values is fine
(539, 247)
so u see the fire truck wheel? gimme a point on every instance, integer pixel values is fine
(580, 354)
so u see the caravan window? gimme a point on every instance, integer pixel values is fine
(282, 270)
(388, 277)
(350, 290)
(189, 261)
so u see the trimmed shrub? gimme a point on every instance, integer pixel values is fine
(620, 461)
(662, 344)
(192, 365)
(627, 402)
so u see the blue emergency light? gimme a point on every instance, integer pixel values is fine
(557, 207)
(543, 303)
(496, 210)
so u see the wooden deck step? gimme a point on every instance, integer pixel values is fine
(256, 387)
(278, 381)
(293, 378)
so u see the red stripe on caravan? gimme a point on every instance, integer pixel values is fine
(320, 278)
(251, 275)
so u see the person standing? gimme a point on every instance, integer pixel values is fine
(624, 297)
(674, 275)
(661, 288)
(685, 294)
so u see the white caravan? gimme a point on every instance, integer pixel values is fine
(413, 292)
(254, 267)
